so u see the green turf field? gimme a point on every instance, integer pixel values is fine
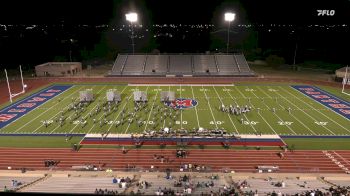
(307, 117)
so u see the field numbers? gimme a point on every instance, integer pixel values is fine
(225, 89)
(321, 123)
(180, 89)
(76, 122)
(48, 121)
(285, 123)
(217, 122)
(250, 122)
(204, 89)
(272, 90)
(249, 89)
(179, 122)
(157, 89)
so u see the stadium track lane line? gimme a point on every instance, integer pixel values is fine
(248, 167)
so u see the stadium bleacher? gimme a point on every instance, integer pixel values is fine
(181, 64)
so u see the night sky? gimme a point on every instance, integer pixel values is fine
(174, 11)
(52, 41)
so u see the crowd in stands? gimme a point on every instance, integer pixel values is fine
(122, 182)
(340, 190)
(242, 185)
(105, 192)
(143, 185)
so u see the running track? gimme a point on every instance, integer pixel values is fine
(238, 160)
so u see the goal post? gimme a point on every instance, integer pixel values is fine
(346, 81)
(24, 86)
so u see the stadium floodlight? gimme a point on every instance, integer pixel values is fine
(132, 17)
(229, 17)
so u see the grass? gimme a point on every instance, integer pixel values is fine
(37, 142)
(206, 114)
(319, 143)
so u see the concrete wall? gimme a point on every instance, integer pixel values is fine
(58, 69)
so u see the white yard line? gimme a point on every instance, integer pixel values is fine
(47, 111)
(237, 104)
(181, 109)
(318, 110)
(150, 113)
(195, 108)
(84, 116)
(305, 113)
(290, 113)
(227, 113)
(211, 111)
(110, 126)
(102, 115)
(127, 128)
(275, 115)
(49, 119)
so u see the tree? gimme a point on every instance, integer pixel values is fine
(275, 61)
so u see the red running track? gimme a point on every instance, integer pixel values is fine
(238, 160)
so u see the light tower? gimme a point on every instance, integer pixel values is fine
(229, 17)
(132, 17)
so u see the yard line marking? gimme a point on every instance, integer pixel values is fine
(237, 104)
(211, 111)
(274, 114)
(195, 108)
(290, 113)
(100, 116)
(227, 113)
(114, 119)
(317, 110)
(127, 128)
(305, 113)
(84, 116)
(149, 115)
(47, 110)
(49, 119)
(110, 126)
(181, 110)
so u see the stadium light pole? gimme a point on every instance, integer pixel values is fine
(132, 17)
(229, 17)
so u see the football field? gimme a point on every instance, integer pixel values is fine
(248, 109)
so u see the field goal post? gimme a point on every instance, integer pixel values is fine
(24, 86)
(346, 81)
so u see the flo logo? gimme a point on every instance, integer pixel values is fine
(182, 103)
(325, 12)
